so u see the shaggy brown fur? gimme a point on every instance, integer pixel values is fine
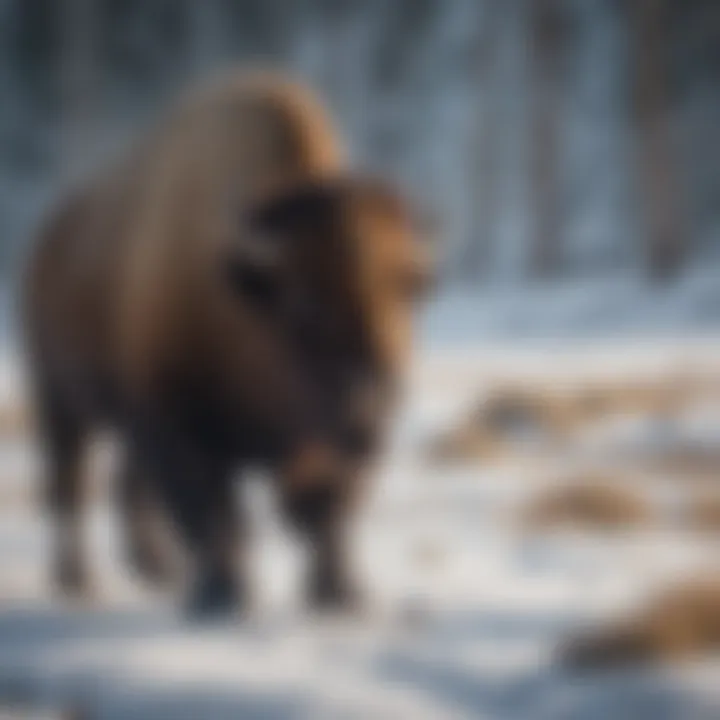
(683, 622)
(228, 294)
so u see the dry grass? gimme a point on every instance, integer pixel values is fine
(429, 556)
(515, 414)
(15, 419)
(595, 503)
(700, 464)
(465, 444)
(652, 397)
(566, 409)
(702, 514)
(682, 623)
(516, 410)
(507, 419)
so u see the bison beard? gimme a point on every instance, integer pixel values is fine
(221, 297)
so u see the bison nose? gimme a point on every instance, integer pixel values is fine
(312, 465)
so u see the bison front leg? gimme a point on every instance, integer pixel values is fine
(198, 497)
(322, 516)
(219, 586)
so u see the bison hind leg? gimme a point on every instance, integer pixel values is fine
(147, 544)
(63, 436)
(213, 595)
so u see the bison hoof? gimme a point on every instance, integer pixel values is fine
(330, 594)
(72, 579)
(213, 597)
(151, 566)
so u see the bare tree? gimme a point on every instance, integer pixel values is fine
(484, 146)
(78, 86)
(655, 155)
(207, 35)
(341, 20)
(546, 37)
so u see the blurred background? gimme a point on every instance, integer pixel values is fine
(555, 139)
(558, 459)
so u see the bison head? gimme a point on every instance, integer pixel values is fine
(338, 265)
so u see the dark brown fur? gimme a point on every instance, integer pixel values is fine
(227, 295)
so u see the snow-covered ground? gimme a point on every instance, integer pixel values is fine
(467, 610)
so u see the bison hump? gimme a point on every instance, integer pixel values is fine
(221, 148)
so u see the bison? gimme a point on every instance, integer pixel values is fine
(227, 294)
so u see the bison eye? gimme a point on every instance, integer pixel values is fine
(257, 284)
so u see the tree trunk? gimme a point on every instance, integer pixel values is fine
(78, 64)
(545, 52)
(655, 156)
(207, 41)
(484, 147)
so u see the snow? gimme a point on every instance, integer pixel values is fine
(625, 306)
(466, 609)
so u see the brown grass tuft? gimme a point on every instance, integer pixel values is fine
(15, 419)
(685, 463)
(515, 414)
(594, 503)
(465, 444)
(682, 623)
(504, 420)
(703, 514)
